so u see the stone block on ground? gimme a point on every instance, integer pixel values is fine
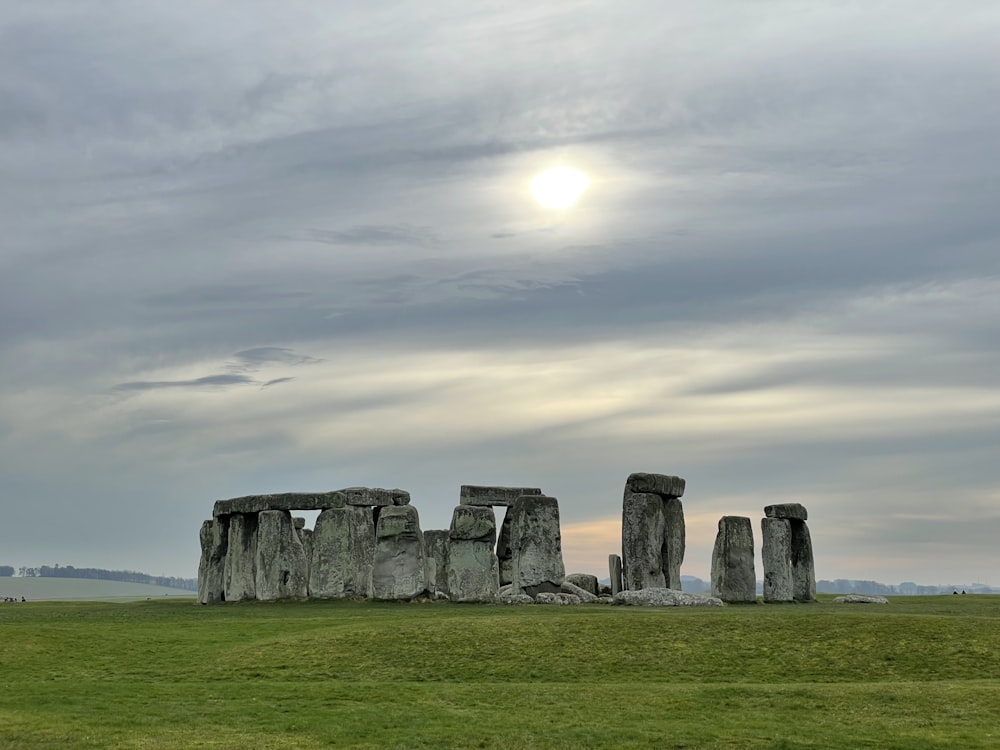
(398, 571)
(342, 554)
(580, 593)
(281, 561)
(733, 575)
(661, 597)
(860, 599)
(585, 581)
(561, 599)
(536, 542)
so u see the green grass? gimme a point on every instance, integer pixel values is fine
(918, 673)
(67, 589)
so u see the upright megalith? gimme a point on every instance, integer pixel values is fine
(536, 543)
(398, 570)
(343, 552)
(282, 570)
(789, 569)
(214, 538)
(473, 570)
(436, 562)
(776, 559)
(241, 557)
(653, 532)
(615, 571)
(505, 554)
(733, 575)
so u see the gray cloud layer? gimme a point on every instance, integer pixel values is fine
(781, 284)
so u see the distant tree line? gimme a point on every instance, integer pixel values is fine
(6, 571)
(126, 576)
(907, 588)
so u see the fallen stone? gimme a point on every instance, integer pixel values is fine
(473, 570)
(536, 542)
(515, 597)
(658, 484)
(289, 501)
(281, 560)
(661, 597)
(787, 510)
(642, 541)
(860, 599)
(398, 572)
(585, 581)
(547, 597)
(473, 494)
(375, 496)
(803, 567)
(214, 538)
(615, 569)
(343, 552)
(436, 561)
(580, 593)
(241, 557)
(733, 575)
(776, 559)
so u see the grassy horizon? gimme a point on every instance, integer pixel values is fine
(920, 672)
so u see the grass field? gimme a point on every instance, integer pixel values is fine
(67, 589)
(918, 673)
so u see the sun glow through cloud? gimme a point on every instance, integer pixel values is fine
(559, 187)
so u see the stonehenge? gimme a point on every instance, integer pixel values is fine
(367, 542)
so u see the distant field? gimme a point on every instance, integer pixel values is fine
(81, 589)
(166, 673)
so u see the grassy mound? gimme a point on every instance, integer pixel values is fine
(920, 672)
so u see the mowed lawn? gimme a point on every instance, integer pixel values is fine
(919, 673)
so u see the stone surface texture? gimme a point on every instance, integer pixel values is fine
(253, 504)
(657, 484)
(505, 554)
(642, 541)
(343, 552)
(509, 596)
(776, 559)
(241, 557)
(580, 593)
(733, 575)
(474, 494)
(375, 496)
(473, 570)
(559, 598)
(673, 541)
(398, 570)
(436, 561)
(585, 581)
(803, 567)
(615, 571)
(281, 568)
(214, 538)
(536, 542)
(662, 597)
(787, 510)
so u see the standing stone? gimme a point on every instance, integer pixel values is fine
(436, 562)
(214, 539)
(241, 556)
(398, 572)
(281, 560)
(673, 541)
(776, 558)
(803, 568)
(642, 541)
(473, 571)
(615, 569)
(343, 551)
(306, 537)
(733, 575)
(537, 545)
(505, 554)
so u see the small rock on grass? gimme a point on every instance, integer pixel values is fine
(860, 599)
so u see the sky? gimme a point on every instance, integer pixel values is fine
(253, 247)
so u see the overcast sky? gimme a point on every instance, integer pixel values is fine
(256, 247)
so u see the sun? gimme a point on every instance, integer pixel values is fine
(559, 187)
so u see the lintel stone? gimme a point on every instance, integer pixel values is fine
(286, 501)
(794, 511)
(656, 484)
(472, 494)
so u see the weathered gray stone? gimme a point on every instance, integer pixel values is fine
(561, 599)
(375, 496)
(505, 554)
(615, 569)
(803, 567)
(642, 541)
(673, 541)
(299, 522)
(579, 592)
(398, 572)
(657, 484)
(473, 494)
(343, 552)
(605, 590)
(241, 557)
(733, 575)
(253, 504)
(306, 537)
(214, 538)
(860, 599)
(436, 561)
(585, 581)
(787, 510)
(473, 570)
(661, 597)
(281, 560)
(509, 596)
(776, 559)
(536, 542)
